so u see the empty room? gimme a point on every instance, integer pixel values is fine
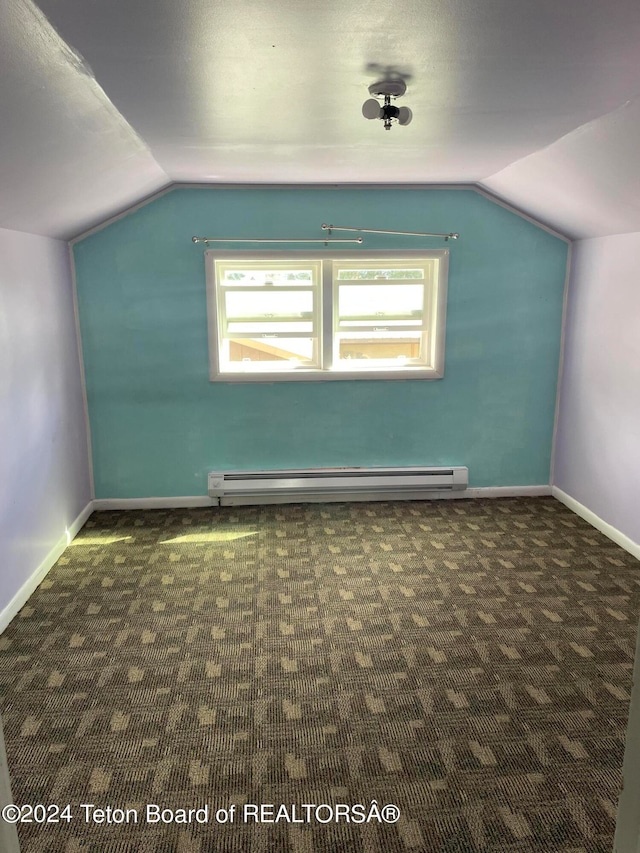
(319, 427)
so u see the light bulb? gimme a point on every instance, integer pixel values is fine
(404, 115)
(371, 109)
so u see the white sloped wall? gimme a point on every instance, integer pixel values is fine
(44, 465)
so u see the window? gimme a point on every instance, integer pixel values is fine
(282, 317)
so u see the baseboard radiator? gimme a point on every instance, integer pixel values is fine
(315, 485)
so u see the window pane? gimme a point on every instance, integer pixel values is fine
(380, 300)
(265, 277)
(394, 347)
(275, 349)
(294, 304)
(360, 274)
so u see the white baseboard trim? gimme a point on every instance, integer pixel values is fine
(31, 584)
(154, 503)
(613, 533)
(508, 492)
(79, 523)
(350, 497)
(204, 501)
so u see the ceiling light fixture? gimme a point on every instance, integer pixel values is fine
(388, 90)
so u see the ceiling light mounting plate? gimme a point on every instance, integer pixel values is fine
(388, 88)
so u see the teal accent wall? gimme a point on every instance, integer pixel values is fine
(158, 426)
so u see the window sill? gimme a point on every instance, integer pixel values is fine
(405, 373)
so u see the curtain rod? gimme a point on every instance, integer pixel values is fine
(330, 228)
(325, 240)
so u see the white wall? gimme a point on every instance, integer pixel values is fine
(44, 468)
(597, 455)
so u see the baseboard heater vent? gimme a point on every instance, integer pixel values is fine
(232, 488)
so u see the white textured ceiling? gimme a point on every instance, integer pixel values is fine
(104, 102)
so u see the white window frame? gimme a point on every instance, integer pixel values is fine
(326, 317)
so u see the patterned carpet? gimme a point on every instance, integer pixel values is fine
(468, 661)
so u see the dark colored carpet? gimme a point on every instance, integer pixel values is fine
(469, 661)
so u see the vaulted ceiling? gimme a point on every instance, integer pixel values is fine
(103, 102)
